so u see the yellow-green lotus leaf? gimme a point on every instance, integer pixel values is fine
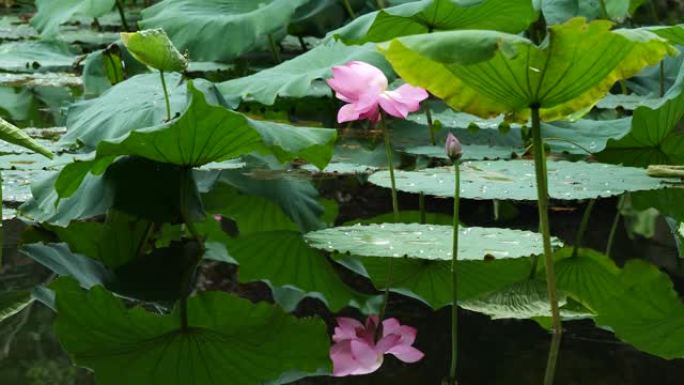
(152, 47)
(489, 73)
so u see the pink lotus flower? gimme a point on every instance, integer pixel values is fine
(364, 88)
(356, 351)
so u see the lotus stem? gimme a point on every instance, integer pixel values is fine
(166, 96)
(2, 238)
(187, 220)
(454, 274)
(122, 15)
(274, 49)
(613, 227)
(421, 207)
(390, 165)
(380, 3)
(349, 9)
(604, 9)
(543, 206)
(662, 78)
(428, 116)
(579, 240)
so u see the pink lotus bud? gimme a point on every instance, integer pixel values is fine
(453, 147)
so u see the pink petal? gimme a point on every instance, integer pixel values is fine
(408, 335)
(387, 343)
(348, 113)
(408, 92)
(367, 358)
(390, 326)
(400, 102)
(366, 107)
(406, 353)
(343, 361)
(346, 329)
(352, 80)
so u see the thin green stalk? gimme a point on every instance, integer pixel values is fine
(390, 164)
(654, 12)
(2, 231)
(428, 116)
(623, 87)
(122, 15)
(302, 43)
(662, 79)
(543, 205)
(187, 220)
(579, 240)
(454, 275)
(380, 3)
(604, 10)
(613, 227)
(274, 49)
(421, 207)
(166, 96)
(349, 9)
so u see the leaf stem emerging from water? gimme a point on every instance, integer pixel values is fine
(613, 227)
(166, 96)
(454, 274)
(122, 15)
(428, 116)
(579, 240)
(274, 49)
(390, 165)
(349, 9)
(543, 206)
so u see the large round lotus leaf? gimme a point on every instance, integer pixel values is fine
(228, 340)
(515, 180)
(427, 241)
(220, 30)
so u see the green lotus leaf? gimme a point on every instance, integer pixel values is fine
(282, 258)
(92, 197)
(430, 281)
(36, 56)
(13, 302)
(514, 180)
(153, 48)
(228, 340)
(470, 152)
(202, 135)
(591, 135)
(52, 14)
(219, 30)
(654, 137)
(261, 202)
(559, 11)
(301, 76)
(439, 15)
(489, 73)
(522, 300)
(647, 312)
(428, 242)
(211, 133)
(130, 105)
